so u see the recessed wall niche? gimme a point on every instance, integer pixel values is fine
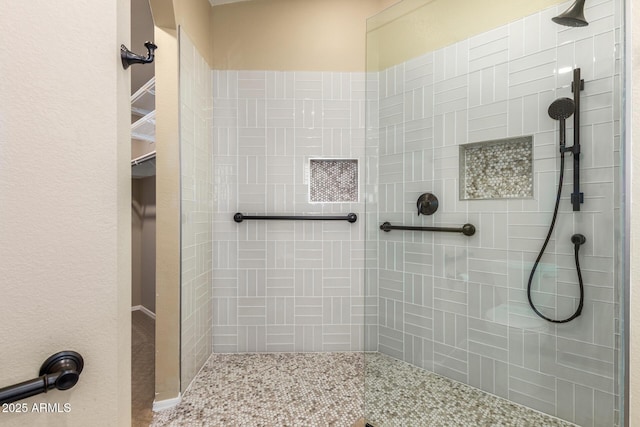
(333, 180)
(497, 169)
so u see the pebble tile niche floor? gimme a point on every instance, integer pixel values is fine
(326, 389)
(333, 181)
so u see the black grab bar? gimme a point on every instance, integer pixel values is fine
(351, 217)
(467, 229)
(60, 371)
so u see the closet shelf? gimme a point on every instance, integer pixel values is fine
(144, 129)
(144, 100)
(143, 106)
(143, 158)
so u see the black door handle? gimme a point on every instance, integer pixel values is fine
(60, 371)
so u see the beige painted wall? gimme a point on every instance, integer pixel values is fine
(415, 27)
(140, 148)
(330, 35)
(194, 15)
(65, 194)
(314, 35)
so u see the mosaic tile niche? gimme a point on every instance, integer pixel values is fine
(497, 169)
(333, 180)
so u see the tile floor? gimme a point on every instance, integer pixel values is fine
(272, 389)
(400, 394)
(326, 389)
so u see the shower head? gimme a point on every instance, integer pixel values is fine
(572, 17)
(561, 108)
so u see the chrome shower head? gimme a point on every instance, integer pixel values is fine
(572, 17)
(562, 108)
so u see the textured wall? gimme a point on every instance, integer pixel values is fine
(196, 203)
(458, 305)
(65, 206)
(284, 285)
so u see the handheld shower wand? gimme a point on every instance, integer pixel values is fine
(561, 109)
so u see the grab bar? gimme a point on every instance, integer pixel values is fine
(60, 371)
(351, 217)
(467, 229)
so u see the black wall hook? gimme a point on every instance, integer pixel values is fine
(129, 57)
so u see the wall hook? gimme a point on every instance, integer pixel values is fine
(129, 57)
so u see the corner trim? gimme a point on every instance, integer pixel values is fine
(161, 405)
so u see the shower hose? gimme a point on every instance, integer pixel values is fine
(576, 239)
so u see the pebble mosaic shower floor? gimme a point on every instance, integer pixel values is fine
(399, 394)
(325, 389)
(272, 389)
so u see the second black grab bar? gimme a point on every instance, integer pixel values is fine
(466, 229)
(351, 217)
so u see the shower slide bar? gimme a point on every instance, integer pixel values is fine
(467, 229)
(351, 217)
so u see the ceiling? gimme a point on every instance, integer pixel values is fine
(219, 2)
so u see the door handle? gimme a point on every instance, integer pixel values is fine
(60, 371)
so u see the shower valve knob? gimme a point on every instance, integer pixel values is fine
(427, 204)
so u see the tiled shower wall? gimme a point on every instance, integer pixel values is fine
(285, 285)
(457, 305)
(197, 195)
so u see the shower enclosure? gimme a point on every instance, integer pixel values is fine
(457, 106)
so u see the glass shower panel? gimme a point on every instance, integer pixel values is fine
(196, 201)
(458, 105)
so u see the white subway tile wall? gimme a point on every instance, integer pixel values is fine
(197, 194)
(285, 285)
(457, 305)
